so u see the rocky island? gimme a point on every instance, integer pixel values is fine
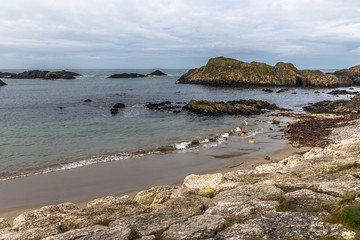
(223, 71)
(137, 75)
(46, 75)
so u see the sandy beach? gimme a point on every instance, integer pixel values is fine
(82, 184)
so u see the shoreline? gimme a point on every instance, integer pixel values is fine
(79, 185)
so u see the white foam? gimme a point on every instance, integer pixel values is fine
(183, 145)
(205, 141)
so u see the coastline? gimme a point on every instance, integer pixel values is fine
(80, 185)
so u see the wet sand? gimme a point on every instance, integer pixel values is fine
(82, 184)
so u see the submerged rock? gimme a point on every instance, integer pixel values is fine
(286, 225)
(223, 71)
(127, 75)
(2, 83)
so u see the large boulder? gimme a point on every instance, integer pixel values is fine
(202, 184)
(223, 71)
(155, 195)
(44, 216)
(198, 227)
(287, 225)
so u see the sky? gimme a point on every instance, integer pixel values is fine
(73, 34)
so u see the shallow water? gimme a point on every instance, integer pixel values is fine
(36, 134)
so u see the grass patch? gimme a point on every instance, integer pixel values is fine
(160, 236)
(283, 204)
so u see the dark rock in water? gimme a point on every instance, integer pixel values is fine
(276, 122)
(41, 74)
(341, 92)
(338, 106)
(267, 90)
(119, 105)
(316, 92)
(282, 90)
(2, 83)
(164, 106)
(127, 75)
(293, 93)
(61, 108)
(244, 107)
(115, 109)
(157, 73)
(267, 158)
(87, 100)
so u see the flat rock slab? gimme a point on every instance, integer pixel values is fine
(202, 184)
(243, 210)
(95, 233)
(339, 189)
(44, 216)
(198, 227)
(31, 234)
(304, 199)
(151, 223)
(286, 225)
(261, 191)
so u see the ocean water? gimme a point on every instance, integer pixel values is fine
(37, 136)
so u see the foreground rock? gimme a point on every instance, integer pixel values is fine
(46, 75)
(94, 233)
(4, 223)
(198, 227)
(31, 234)
(286, 226)
(222, 71)
(244, 107)
(204, 185)
(2, 83)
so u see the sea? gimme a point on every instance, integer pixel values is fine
(45, 125)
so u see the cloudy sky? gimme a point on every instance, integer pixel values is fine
(177, 33)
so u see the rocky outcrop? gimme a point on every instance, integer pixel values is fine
(351, 75)
(337, 106)
(157, 73)
(2, 83)
(46, 75)
(244, 107)
(223, 71)
(127, 75)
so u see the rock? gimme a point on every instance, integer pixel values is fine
(60, 74)
(101, 214)
(157, 73)
(338, 106)
(31, 234)
(226, 186)
(339, 189)
(282, 90)
(246, 176)
(44, 216)
(4, 223)
(2, 83)
(151, 223)
(243, 209)
(164, 106)
(267, 90)
(262, 191)
(351, 75)
(119, 105)
(286, 225)
(7, 75)
(108, 201)
(198, 227)
(95, 233)
(155, 195)
(88, 100)
(304, 200)
(202, 184)
(186, 204)
(31, 74)
(276, 122)
(46, 75)
(223, 71)
(245, 107)
(341, 92)
(128, 75)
